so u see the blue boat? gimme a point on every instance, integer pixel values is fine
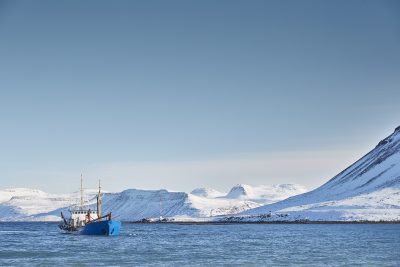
(106, 227)
(90, 222)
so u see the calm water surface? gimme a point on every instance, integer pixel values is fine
(41, 244)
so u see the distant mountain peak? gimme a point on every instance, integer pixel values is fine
(206, 192)
(390, 138)
(23, 190)
(239, 190)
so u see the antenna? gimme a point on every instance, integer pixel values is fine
(99, 202)
(81, 192)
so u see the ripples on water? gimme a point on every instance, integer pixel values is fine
(41, 244)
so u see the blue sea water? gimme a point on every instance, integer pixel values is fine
(41, 244)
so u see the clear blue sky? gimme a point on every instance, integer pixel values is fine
(152, 94)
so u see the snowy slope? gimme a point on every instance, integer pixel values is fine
(134, 204)
(368, 189)
(220, 206)
(27, 204)
(265, 194)
(20, 203)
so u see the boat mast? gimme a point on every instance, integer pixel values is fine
(160, 218)
(81, 192)
(99, 202)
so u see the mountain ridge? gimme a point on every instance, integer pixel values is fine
(375, 174)
(129, 205)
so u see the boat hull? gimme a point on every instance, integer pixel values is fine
(106, 227)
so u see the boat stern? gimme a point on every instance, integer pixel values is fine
(107, 227)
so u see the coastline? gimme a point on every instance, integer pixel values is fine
(225, 223)
(272, 222)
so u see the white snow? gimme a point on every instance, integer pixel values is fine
(21, 203)
(7, 194)
(220, 206)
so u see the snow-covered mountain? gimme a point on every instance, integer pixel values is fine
(134, 204)
(367, 190)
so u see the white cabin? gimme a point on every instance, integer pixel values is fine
(80, 217)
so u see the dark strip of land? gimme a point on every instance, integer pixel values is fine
(231, 222)
(266, 222)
